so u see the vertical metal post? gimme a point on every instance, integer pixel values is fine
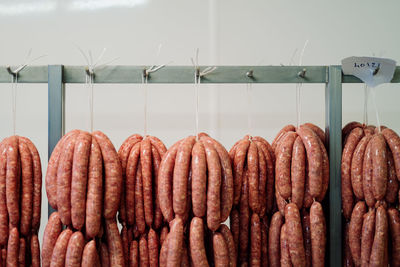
(56, 97)
(333, 120)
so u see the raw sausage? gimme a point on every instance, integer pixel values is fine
(355, 229)
(51, 233)
(255, 241)
(158, 217)
(357, 167)
(392, 182)
(325, 172)
(13, 247)
(393, 140)
(318, 234)
(295, 235)
(94, 191)
(153, 244)
(175, 242)
(60, 249)
(298, 172)
(12, 181)
(380, 239)
(131, 174)
(379, 166)
(264, 242)
(262, 183)
(139, 209)
(347, 259)
(75, 247)
(305, 222)
(283, 162)
(196, 243)
(90, 257)
(199, 180)
(181, 173)
(147, 177)
(134, 254)
(244, 215)
(221, 254)
(282, 132)
(394, 224)
(318, 131)
(125, 243)
(163, 234)
(104, 255)
(143, 252)
(79, 179)
(274, 251)
(3, 198)
(367, 236)
(253, 176)
(35, 251)
(238, 165)
(367, 177)
(158, 144)
(114, 242)
(284, 246)
(112, 175)
(234, 221)
(230, 243)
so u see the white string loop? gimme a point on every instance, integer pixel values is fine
(298, 87)
(249, 93)
(366, 93)
(378, 122)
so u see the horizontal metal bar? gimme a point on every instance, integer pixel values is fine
(185, 74)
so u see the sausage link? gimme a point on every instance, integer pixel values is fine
(37, 183)
(394, 224)
(188, 211)
(158, 217)
(347, 258)
(264, 242)
(280, 202)
(131, 174)
(199, 180)
(392, 182)
(348, 150)
(147, 177)
(379, 167)
(226, 233)
(295, 235)
(52, 169)
(51, 233)
(134, 254)
(125, 243)
(75, 247)
(274, 250)
(355, 229)
(139, 209)
(185, 256)
(114, 242)
(284, 247)
(196, 243)
(244, 215)
(221, 254)
(367, 176)
(393, 140)
(255, 241)
(3, 198)
(35, 251)
(175, 242)
(283, 161)
(60, 249)
(213, 188)
(112, 175)
(12, 181)
(349, 127)
(367, 236)
(143, 252)
(153, 245)
(94, 191)
(104, 255)
(181, 173)
(22, 253)
(262, 181)
(318, 234)
(164, 252)
(298, 172)
(238, 165)
(305, 223)
(234, 225)
(266, 145)
(253, 172)
(325, 172)
(165, 182)
(90, 257)
(159, 145)
(123, 154)
(163, 234)
(270, 161)
(357, 167)
(13, 247)
(79, 179)
(314, 155)
(380, 239)
(281, 133)
(227, 190)
(318, 131)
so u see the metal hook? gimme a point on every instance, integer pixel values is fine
(89, 71)
(302, 74)
(375, 72)
(145, 73)
(250, 74)
(11, 72)
(197, 72)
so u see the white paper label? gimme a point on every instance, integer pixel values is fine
(371, 70)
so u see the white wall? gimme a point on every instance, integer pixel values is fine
(228, 32)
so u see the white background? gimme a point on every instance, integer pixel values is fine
(227, 32)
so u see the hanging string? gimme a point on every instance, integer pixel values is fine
(298, 87)
(376, 110)
(249, 93)
(14, 84)
(145, 85)
(90, 86)
(197, 80)
(366, 93)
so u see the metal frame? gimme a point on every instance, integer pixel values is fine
(57, 75)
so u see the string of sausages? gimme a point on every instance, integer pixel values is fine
(370, 188)
(20, 202)
(297, 231)
(84, 185)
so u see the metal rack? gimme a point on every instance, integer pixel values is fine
(58, 75)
